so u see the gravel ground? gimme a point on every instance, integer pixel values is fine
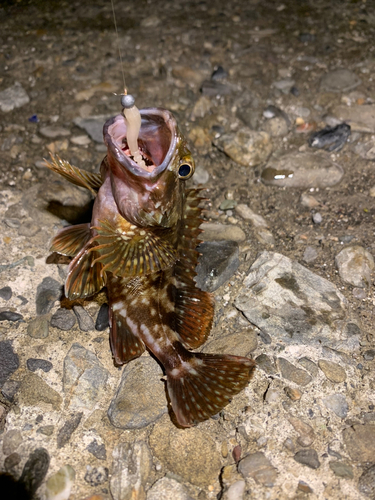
(251, 83)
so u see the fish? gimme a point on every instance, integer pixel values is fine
(141, 244)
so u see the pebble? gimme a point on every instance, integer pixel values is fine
(47, 430)
(84, 378)
(171, 446)
(9, 389)
(276, 127)
(93, 125)
(63, 319)
(366, 483)
(307, 457)
(310, 254)
(302, 170)
(85, 321)
(304, 487)
(265, 364)
(66, 431)
(330, 138)
(341, 469)
(34, 391)
(201, 176)
(246, 213)
(140, 397)
(366, 150)
(292, 373)
(257, 466)
(201, 108)
(13, 97)
(369, 355)
(6, 293)
(246, 147)
(11, 441)
(216, 232)
(38, 328)
(218, 262)
(53, 132)
(235, 491)
(214, 88)
(355, 265)
(98, 450)
(309, 201)
(265, 237)
(34, 364)
(305, 431)
(132, 465)
(338, 404)
(310, 366)
(219, 74)
(9, 361)
(284, 85)
(339, 80)
(360, 118)
(59, 485)
(359, 441)
(334, 372)
(28, 229)
(359, 293)
(35, 470)
(102, 320)
(47, 292)
(228, 205)
(272, 301)
(11, 462)
(317, 218)
(81, 140)
(167, 488)
(293, 394)
(96, 475)
(10, 316)
(238, 343)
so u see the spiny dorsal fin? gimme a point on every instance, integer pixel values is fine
(76, 176)
(70, 240)
(126, 250)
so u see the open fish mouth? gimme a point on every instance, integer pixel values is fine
(157, 141)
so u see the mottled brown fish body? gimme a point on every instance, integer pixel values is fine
(141, 244)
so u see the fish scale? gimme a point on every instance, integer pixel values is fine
(141, 244)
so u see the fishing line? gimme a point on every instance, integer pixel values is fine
(118, 46)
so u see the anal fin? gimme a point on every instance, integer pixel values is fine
(125, 345)
(85, 277)
(70, 240)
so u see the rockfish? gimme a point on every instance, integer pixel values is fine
(141, 245)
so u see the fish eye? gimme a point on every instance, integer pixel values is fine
(185, 171)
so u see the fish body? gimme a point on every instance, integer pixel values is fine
(141, 244)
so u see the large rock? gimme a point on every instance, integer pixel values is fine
(360, 118)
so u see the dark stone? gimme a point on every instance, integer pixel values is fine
(218, 263)
(10, 389)
(309, 365)
(330, 138)
(265, 364)
(292, 373)
(213, 88)
(102, 320)
(67, 429)
(9, 361)
(11, 462)
(35, 470)
(10, 316)
(96, 475)
(34, 364)
(85, 321)
(366, 483)
(63, 319)
(48, 291)
(6, 293)
(342, 469)
(369, 355)
(98, 450)
(307, 457)
(219, 74)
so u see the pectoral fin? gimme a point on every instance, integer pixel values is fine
(85, 277)
(125, 345)
(70, 240)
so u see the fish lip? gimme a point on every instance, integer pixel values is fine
(114, 131)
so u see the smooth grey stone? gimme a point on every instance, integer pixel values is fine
(265, 364)
(11, 462)
(93, 125)
(306, 432)
(334, 372)
(339, 80)
(6, 293)
(310, 366)
(98, 450)
(360, 118)
(38, 328)
(366, 483)
(284, 85)
(317, 218)
(66, 431)
(53, 132)
(11, 441)
(85, 321)
(257, 466)
(9, 361)
(338, 404)
(47, 292)
(246, 147)
(13, 97)
(9, 389)
(168, 488)
(34, 364)
(359, 441)
(96, 475)
(369, 355)
(310, 254)
(355, 265)
(63, 319)
(307, 457)
(214, 88)
(10, 316)
(102, 320)
(218, 232)
(217, 264)
(35, 470)
(238, 343)
(292, 373)
(47, 430)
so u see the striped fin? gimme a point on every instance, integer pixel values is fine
(204, 387)
(76, 176)
(70, 240)
(85, 277)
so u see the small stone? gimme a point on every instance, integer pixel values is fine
(307, 457)
(338, 404)
(309, 365)
(10, 316)
(9, 389)
(317, 218)
(246, 147)
(13, 97)
(355, 265)
(34, 390)
(369, 355)
(289, 445)
(310, 254)
(305, 431)
(102, 320)
(93, 125)
(235, 491)
(98, 450)
(276, 127)
(217, 232)
(63, 319)
(38, 328)
(293, 394)
(201, 176)
(66, 431)
(47, 293)
(85, 321)
(214, 88)
(366, 483)
(265, 364)
(81, 140)
(5, 293)
(304, 487)
(246, 213)
(359, 293)
(257, 466)
(96, 475)
(53, 132)
(360, 442)
(47, 430)
(59, 485)
(265, 237)
(11, 462)
(309, 201)
(284, 85)
(217, 264)
(240, 343)
(367, 151)
(342, 469)
(11, 441)
(167, 488)
(272, 395)
(334, 372)
(201, 107)
(360, 118)
(292, 373)
(9, 361)
(28, 228)
(228, 205)
(339, 80)
(219, 74)
(34, 364)
(35, 470)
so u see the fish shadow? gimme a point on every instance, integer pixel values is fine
(12, 489)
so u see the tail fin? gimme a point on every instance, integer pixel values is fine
(204, 384)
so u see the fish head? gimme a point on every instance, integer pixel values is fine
(151, 195)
